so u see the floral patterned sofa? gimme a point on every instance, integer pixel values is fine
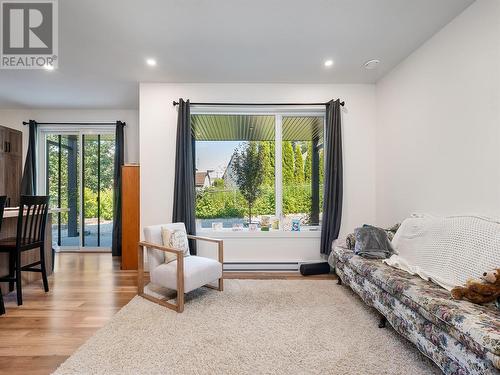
(460, 337)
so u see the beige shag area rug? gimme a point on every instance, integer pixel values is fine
(253, 327)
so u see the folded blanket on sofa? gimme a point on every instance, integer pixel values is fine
(372, 242)
(447, 250)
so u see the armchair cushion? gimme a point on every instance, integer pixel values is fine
(153, 234)
(198, 271)
(175, 239)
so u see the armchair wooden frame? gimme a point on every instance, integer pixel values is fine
(179, 307)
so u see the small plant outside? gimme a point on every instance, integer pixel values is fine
(248, 165)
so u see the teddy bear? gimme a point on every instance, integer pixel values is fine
(484, 291)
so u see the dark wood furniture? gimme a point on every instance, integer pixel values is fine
(9, 229)
(3, 199)
(130, 216)
(31, 223)
(11, 157)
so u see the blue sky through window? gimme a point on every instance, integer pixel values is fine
(214, 155)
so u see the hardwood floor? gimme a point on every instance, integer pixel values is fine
(86, 290)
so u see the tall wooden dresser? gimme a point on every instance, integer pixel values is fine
(130, 216)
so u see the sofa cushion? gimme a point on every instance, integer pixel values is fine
(475, 326)
(198, 271)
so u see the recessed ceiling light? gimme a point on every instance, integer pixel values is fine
(151, 62)
(371, 64)
(328, 63)
(48, 67)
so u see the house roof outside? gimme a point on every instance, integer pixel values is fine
(200, 178)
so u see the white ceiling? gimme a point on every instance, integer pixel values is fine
(103, 44)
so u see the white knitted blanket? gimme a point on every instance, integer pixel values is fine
(447, 250)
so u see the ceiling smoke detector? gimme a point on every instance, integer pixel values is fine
(371, 64)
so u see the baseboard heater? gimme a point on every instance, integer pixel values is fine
(262, 266)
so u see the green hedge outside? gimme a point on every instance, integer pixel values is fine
(90, 202)
(216, 203)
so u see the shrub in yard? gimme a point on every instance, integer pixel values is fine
(264, 205)
(107, 204)
(213, 203)
(90, 202)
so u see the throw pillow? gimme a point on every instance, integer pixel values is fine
(175, 239)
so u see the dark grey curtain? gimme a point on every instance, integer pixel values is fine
(28, 183)
(117, 189)
(332, 201)
(184, 191)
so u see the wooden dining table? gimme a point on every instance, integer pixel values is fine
(9, 229)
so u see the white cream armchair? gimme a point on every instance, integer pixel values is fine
(184, 274)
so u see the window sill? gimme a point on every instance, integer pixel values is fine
(229, 233)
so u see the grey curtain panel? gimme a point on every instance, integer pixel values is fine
(28, 183)
(116, 247)
(332, 201)
(184, 190)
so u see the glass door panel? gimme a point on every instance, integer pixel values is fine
(62, 179)
(79, 177)
(90, 192)
(106, 181)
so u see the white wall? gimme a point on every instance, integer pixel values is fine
(158, 121)
(438, 122)
(14, 119)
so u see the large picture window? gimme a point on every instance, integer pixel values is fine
(263, 168)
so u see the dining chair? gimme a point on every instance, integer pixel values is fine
(31, 223)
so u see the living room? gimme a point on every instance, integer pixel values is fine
(280, 195)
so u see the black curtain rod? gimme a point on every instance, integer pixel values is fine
(258, 104)
(75, 123)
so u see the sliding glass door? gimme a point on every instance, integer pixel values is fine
(77, 173)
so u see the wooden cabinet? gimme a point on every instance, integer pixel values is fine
(14, 140)
(130, 216)
(11, 156)
(13, 176)
(3, 144)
